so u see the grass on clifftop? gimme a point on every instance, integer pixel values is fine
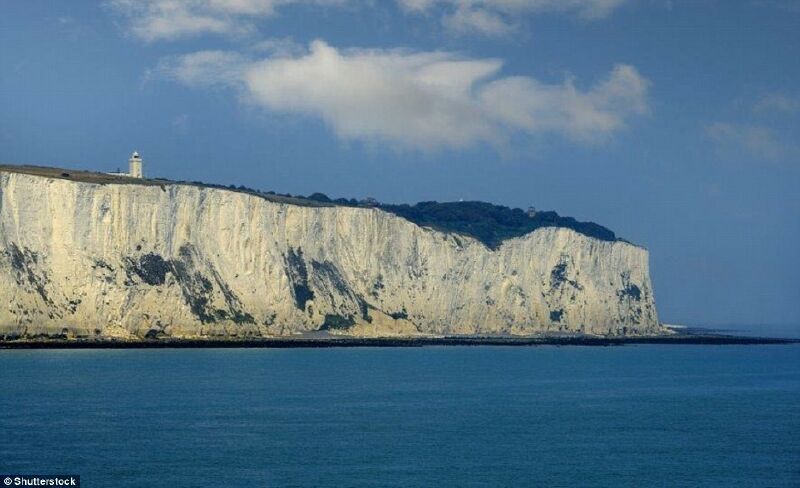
(491, 224)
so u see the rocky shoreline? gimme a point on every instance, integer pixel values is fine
(317, 342)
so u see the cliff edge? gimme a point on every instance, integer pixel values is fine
(111, 259)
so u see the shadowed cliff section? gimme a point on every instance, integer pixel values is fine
(197, 288)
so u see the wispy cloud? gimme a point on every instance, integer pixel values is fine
(791, 6)
(466, 20)
(758, 134)
(422, 100)
(154, 20)
(757, 140)
(586, 8)
(777, 102)
(499, 17)
(180, 123)
(203, 69)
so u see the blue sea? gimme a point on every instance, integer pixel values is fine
(645, 415)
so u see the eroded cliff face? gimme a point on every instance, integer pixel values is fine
(184, 261)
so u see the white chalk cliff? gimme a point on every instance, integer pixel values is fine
(129, 260)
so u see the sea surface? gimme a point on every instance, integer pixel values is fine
(644, 415)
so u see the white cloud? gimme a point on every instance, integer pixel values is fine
(758, 141)
(153, 20)
(523, 103)
(423, 100)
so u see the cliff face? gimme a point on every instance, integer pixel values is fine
(185, 261)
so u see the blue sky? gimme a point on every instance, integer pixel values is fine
(674, 123)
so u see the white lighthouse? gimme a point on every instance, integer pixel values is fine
(135, 165)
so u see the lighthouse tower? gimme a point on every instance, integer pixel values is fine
(135, 165)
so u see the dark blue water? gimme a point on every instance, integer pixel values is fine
(447, 416)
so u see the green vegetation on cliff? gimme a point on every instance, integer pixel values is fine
(490, 224)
